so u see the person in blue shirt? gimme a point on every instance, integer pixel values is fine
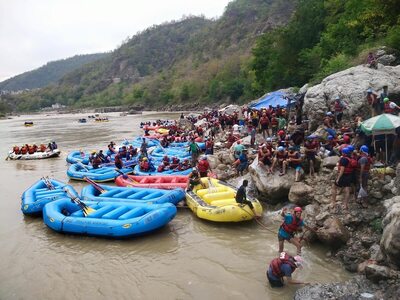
(282, 268)
(292, 223)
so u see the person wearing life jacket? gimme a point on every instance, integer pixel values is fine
(31, 150)
(118, 161)
(345, 177)
(144, 165)
(264, 157)
(311, 148)
(209, 146)
(203, 166)
(338, 107)
(390, 107)
(174, 162)
(96, 161)
(164, 166)
(16, 149)
(194, 179)
(292, 223)
(42, 148)
(282, 268)
(280, 157)
(111, 149)
(364, 165)
(264, 122)
(24, 149)
(165, 159)
(294, 161)
(274, 124)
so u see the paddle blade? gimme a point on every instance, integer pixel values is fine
(87, 210)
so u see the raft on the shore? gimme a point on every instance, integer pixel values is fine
(79, 172)
(171, 152)
(33, 156)
(139, 172)
(216, 202)
(42, 192)
(156, 182)
(142, 196)
(109, 219)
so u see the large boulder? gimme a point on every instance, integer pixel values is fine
(333, 233)
(351, 85)
(390, 241)
(330, 162)
(301, 194)
(272, 187)
(213, 160)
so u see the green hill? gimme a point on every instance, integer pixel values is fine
(48, 74)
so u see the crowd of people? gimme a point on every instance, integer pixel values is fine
(32, 148)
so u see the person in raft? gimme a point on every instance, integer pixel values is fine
(292, 223)
(194, 179)
(282, 268)
(241, 197)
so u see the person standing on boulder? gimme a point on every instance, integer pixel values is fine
(372, 99)
(292, 223)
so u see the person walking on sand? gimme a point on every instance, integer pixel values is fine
(281, 269)
(292, 223)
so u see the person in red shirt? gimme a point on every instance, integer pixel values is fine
(203, 166)
(264, 122)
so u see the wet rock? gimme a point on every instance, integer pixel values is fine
(330, 162)
(333, 233)
(301, 194)
(222, 167)
(225, 158)
(377, 273)
(213, 160)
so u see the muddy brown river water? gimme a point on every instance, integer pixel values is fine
(187, 259)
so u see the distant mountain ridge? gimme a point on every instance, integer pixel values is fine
(49, 73)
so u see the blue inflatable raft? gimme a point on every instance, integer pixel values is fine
(76, 156)
(41, 193)
(107, 219)
(137, 171)
(132, 195)
(103, 174)
(177, 152)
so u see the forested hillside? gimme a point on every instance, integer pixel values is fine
(49, 73)
(254, 47)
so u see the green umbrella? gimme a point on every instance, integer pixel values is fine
(382, 124)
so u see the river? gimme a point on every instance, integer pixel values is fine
(187, 259)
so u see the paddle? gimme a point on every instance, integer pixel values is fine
(95, 185)
(86, 209)
(124, 176)
(48, 183)
(82, 166)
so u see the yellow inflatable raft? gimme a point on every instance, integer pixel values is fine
(216, 202)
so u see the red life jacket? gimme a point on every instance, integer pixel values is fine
(274, 122)
(203, 166)
(351, 166)
(31, 150)
(292, 227)
(144, 165)
(367, 165)
(23, 150)
(387, 109)
(276, 264)
(264, 121)
(338, 106)
(16, 149)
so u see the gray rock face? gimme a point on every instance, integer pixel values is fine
(213, 160)
(301, 194)
(333, 233)
(273, 188)
(351, 85)
(390, 241)
(377, 273)
(330, 162)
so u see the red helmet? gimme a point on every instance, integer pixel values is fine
(281, 132)
(297, 209)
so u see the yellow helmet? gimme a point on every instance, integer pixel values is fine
(144, 158)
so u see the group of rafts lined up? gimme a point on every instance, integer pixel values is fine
(138, 205)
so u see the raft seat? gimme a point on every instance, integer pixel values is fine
(153, 195)
(101, 211)
(138, 195)
(174, 180)
(202, 192)
(218, 196)
(110, 193)
(123, 193)
(133, 213)
(159, 180)
(114, 214)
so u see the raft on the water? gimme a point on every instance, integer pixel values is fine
(42, 192)
(107, 219)
(137, 195)
(216, 202)
(36, 155)
(138, 171)
(156, 182)
(79, 171)
(28, 124)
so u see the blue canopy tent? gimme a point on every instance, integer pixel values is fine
(274, 99)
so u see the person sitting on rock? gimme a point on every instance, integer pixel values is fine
(292, 223)
(280, 157)
(238, 149)
(293, 161)
(371, 61)
(282, 268)
(264, 157)
(328, 120)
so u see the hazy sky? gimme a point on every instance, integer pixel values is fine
(34, 32)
